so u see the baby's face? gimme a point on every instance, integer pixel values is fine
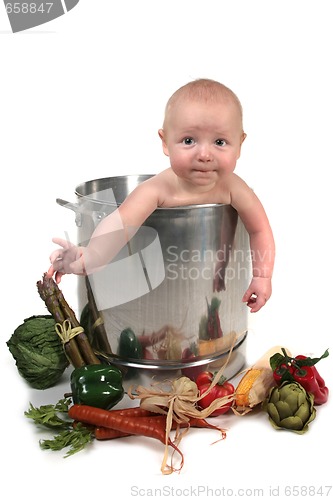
(203, 140)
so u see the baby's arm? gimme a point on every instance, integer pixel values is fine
(109, 237)
(262, 244)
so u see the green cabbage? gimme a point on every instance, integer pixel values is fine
(38, 352)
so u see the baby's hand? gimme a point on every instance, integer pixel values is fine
(66, 260)
(258, 293)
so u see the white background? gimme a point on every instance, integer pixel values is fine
(82, 97)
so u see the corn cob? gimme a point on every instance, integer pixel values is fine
(255, 383)
(245, 385)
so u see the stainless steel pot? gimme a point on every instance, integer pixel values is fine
(161, 285)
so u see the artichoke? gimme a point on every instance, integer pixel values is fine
(38, 351)
(290, 407)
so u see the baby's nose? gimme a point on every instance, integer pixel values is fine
(205, 153)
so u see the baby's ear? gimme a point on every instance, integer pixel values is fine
(161, 134)
(243, 137)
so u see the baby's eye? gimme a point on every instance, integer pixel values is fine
(188, 141)
(220, 142)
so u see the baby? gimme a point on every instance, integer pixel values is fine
(202, 135)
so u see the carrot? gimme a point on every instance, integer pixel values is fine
(104, 433)
(136, 411)
(112, 424)
(100, 433)
(153, 427)
(144, 426)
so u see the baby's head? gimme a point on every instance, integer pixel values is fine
(206, 91)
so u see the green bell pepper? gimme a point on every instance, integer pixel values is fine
(97, 385)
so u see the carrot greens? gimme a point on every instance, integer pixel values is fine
(56, 417)
(52, 416)
(75, 438)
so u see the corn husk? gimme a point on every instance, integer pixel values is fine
(255, 384)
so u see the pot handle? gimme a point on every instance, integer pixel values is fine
(74, 207)
(96, 215)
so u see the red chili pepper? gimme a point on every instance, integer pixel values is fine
(300, 369)
(312, 382)
(221, 389)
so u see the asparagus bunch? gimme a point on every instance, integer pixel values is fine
(78, 348)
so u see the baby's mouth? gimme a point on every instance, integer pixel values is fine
(204, 170)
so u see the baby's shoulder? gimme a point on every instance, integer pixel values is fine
(239, 190)
(158, 185)
(164, 180)
(234, 181)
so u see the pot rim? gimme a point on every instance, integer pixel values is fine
(176, 364)
(133, 176)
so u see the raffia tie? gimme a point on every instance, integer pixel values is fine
(178, 403)
(66, 332)
(99, 321)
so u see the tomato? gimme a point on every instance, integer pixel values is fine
(221, 389)
(204, 378)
